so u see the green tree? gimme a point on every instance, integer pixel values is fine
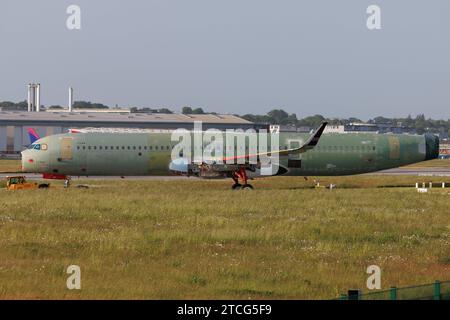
(312, 121)
(165, 110)
(420, 123)
(186, 110)
(12, 106)
(278, 116)
(198, 111)
(88, 105)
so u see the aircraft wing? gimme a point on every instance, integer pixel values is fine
(310, 143)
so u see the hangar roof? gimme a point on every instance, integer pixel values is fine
(120, 117)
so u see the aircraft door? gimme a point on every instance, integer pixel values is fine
(80, 155)
(295, 159)
(71, 158)
(394, 148)
(65, 149)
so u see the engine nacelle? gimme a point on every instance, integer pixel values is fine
(179, 166)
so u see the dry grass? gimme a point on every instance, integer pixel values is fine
(198, 239)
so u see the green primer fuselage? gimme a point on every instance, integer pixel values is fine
(149, 153)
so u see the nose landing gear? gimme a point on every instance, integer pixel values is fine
(67, 182)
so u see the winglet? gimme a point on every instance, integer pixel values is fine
(33, 135)
(314, 139)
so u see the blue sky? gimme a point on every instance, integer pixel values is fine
(250, 56)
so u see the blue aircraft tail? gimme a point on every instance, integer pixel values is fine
(33, 135)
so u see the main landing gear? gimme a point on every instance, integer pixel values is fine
(240, 175)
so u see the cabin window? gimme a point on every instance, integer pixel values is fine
(145, 147)
(100, 147)
(95, 147)
(139, 147)
(151, 148)
(123, 147)
(89, 147)
(373, 148)
(84, 147)
(134, 147)
(106, 147)
(78, 147)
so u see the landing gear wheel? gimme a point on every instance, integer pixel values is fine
(240, 175)
(236, 186)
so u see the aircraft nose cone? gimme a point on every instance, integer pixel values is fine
(432, 146)
(27, 162)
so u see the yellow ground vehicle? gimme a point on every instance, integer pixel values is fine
(20, 183)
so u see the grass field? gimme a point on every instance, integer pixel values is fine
(436, 163)
(198, 239)
(9, 166)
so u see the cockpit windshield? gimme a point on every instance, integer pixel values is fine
(38, 146)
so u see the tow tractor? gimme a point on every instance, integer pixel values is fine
(20, 183)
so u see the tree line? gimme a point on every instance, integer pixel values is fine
(23, 106)
(420, 123)
(276, 116)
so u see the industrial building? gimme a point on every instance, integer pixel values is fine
(14, 125)
(444, 149)
(369, 127)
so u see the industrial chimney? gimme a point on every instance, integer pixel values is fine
(70, 99)
(34, 97)
(38, 97)
(30, 103)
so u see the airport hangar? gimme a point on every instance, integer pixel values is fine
(14, 124)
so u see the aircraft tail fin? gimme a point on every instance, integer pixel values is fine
(33, 135)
